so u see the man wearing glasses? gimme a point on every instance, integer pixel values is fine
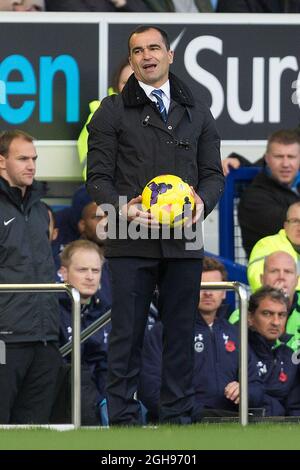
(287, 239)
(264, 203)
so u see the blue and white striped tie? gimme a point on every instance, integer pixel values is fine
(160, 104)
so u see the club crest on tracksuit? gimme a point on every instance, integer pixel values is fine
(105, 337)
(225, 337)
(69, 330)
(198, 343)
(229, 344)
(261, 368)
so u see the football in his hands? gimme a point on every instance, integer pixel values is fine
(169, 199)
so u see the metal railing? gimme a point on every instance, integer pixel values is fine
(243, 359)
(87, 332)
(76, 324)
(77, 337)
(243, 380)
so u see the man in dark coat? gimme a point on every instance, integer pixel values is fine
(275, 361)
(263, 205)
(130, 142)
(29, 323)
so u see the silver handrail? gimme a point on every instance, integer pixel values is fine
(87, 332)
(76, 370)
(243, 357)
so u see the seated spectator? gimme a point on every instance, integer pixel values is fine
(287, 239)
(97, 5)
(67, 219)
(92, 224)
(234, 161)
(258, 6)
(119, 80)
(268, 311)
(81, 221)
(264, 203)
(81, 265)
(71, 226)
(280, 272)
(22, 5)
(216, 382)
(53, 230)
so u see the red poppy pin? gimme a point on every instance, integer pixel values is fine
(230, 346)
(283, 377)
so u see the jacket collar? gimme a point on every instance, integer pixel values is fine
(32, 194)
(93, 304)
(265, 176)
(264, 348)
(133, 95)
(221, 316)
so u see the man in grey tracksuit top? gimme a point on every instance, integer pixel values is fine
(28, 322)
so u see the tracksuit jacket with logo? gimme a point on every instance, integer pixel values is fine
(94, 349)
(216, 364)
(26, 257)
(292, 325)
(280, 374)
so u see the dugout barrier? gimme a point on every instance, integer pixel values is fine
(241, 292)
(74, 346)
(87, 332)
(76, 353)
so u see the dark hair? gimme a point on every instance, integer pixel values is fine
(117, 73)
(262, 293)
(285, 137)
(143, 28)
(212, 264)
(49, 209)
(6, 138)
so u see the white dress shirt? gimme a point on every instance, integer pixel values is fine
(165, 88)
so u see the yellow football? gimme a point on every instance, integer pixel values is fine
(169, 199)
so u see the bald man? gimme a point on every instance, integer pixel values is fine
(280, 271)
(287, 239)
